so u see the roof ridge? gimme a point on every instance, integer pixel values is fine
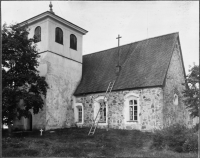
(131, 43)
(106, 49)
(147, 43)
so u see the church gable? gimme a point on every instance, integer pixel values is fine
(174, 110)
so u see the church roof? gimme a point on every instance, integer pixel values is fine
(49, 14)
(143, 64)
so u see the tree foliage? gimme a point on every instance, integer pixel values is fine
(22, 87)
(191, 93)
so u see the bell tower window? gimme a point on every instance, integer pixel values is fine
(37, 34)
(73, 42)
(59, 35)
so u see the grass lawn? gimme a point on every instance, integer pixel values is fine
(74, 142)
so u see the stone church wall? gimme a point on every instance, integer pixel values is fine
(175, 112)
(150, 109)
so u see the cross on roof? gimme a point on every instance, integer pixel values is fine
(118, 39)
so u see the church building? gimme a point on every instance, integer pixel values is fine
(144, 79)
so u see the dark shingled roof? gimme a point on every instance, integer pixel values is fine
(143, 64)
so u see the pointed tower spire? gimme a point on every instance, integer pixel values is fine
(50, 6)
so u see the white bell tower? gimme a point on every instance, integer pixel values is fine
(59, 43)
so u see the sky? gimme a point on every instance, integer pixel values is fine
(133, 20)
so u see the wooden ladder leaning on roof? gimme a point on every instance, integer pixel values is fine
(95, 124)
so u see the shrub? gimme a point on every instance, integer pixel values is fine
(177, 138)
(196, 127)
(191, 143)
(158, 140)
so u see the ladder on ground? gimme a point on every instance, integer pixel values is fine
(95, 124)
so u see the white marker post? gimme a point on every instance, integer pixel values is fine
(41, 132)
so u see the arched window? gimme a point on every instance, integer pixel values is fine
(59, 35)
(78, 113)
(37, 34)
(131, 108)
(73, 42)
(175, 99)
(102, 116)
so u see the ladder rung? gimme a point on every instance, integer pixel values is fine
(92, 131)
(91, 134)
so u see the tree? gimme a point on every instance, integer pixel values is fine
(22, 87)
(191, 93)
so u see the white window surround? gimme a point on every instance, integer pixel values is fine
(78, 105)
(175, 99)
(96, 109)
(126, 111)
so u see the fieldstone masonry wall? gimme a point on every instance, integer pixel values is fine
(151, 105)
(175, 77)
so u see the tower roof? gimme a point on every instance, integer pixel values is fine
(50, 14)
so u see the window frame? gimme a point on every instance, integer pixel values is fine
(127, 108)
(71, 44)
(96, 108)
(76, 113)
(57, 39)
(132, 113)
(80, 113)
(136, 112)
(104, 114)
